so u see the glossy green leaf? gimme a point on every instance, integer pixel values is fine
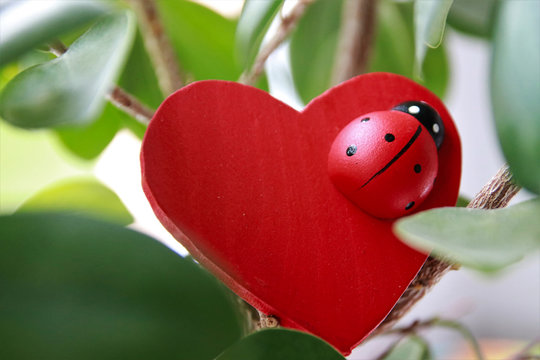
(429, 23)
(89, 141)
(139, 78)
(203, 40)
(313, 47)
(515, 87)
(70, 89)
(435, 71)
(137, 128)
(26, 24)
(76, 288)
(486, 240)
(254, 21)
(84, 196)
(474, 17)
(393, 49)
(30, 58)
(411, 348)
(29, 160)
(275, 344)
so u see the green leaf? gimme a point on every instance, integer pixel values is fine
(70, 89)
(435, 71)
(515, 85)
(76, 288)
(462, 201)
(473, 17)
(313, 47)
(411, 348)
(485, 240)
(429, 23)
(203, 40)
(89, 141)
(138, 77)
(393, 50)
(138, 129)
(42, 21)
(84, 196)
(253, 24)
(30, 160)
(275, 344)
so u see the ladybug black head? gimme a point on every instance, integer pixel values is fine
(427, 116)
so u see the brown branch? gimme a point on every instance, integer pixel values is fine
(159, 47)
(130, 105)
(495, 194)
(355, 39)
(57, 48)
(288, 23)
(118, 97)
(267, 321)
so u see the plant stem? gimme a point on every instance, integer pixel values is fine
(495, 194)
(130, 105)
(288, 23)
(355, 39)
(267, 321)
(159, 47)
(118, 96)
(417, 325)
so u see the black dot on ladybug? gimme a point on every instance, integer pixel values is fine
(351, 150)
(417, 168)
(365, 119)
(389, 137)
(409, 205)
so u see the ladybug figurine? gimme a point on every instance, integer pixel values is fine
(386, 162)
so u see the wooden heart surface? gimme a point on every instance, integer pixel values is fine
(241, 180)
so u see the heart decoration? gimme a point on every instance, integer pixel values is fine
(267, 198)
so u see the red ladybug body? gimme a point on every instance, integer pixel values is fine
(385, 162)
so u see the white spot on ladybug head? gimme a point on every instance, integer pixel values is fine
(414, 109)
(436, 128)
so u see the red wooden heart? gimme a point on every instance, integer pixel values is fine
(241, 180)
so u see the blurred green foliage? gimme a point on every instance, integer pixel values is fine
(85, 196)
(50, 20)
(274, 344)
(393, 49)
(70, 90)
(515, 88)
(77, 288)
(412, 348)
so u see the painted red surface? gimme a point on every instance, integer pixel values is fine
(242, 181)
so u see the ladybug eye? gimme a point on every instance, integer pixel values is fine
(351, 150)
(427, 116)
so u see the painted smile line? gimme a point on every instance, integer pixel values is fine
(398, 155)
